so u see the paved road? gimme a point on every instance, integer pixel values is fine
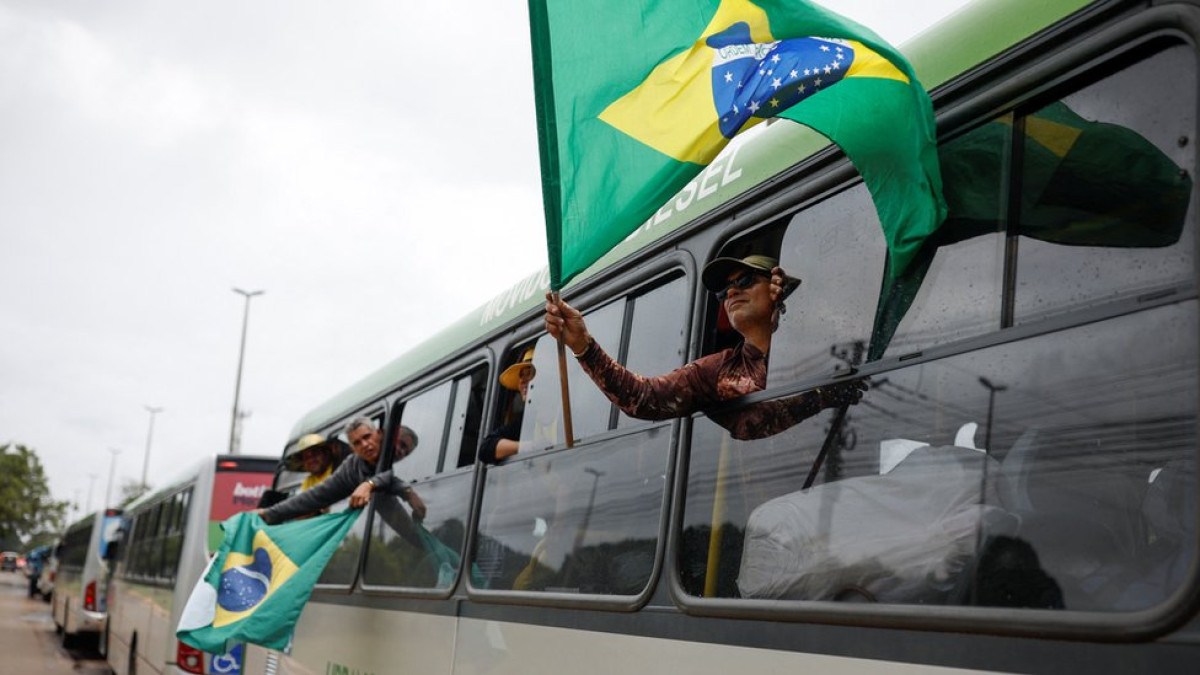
(28, 643)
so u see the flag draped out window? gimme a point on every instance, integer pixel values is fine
(257, 583)
(634, 98)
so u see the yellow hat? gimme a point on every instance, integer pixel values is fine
(295, 461)
(511, 377)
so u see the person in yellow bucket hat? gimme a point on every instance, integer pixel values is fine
(504, 442)
(314, 456)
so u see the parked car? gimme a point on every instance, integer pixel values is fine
(8, 561)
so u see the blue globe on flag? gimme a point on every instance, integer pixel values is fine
(245, 586)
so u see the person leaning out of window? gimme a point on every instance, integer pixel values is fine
(752, 291)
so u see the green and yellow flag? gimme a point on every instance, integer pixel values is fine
(257, 583)
(635, 97)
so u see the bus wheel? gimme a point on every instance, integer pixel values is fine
(69, 640)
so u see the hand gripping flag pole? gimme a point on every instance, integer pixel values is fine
(568, 430)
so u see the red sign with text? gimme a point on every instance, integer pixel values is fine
(234, 492)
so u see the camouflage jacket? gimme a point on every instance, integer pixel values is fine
(699, 386)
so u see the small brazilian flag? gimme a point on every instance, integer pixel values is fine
(636, 97)
(257, 583)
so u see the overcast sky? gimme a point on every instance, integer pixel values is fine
(371, 165)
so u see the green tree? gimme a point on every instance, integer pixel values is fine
(27, 510)
(130, 491)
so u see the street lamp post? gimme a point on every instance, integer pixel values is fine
(149, 436)
(91, 484)
(112, 471)
(992, 389)
(237, 387)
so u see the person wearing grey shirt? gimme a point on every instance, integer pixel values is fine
(355, 478)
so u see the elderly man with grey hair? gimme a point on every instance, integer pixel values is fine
(355, 478)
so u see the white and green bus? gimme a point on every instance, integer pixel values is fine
(1016, 491)
(168, 537)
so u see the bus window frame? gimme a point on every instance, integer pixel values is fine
(620, 603)
(1001, 86)
(464, 366)
(376, 410)
(623, 281)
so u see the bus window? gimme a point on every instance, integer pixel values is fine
(590, 410)
(575, 521)
(173, 539)
(406, 549)
(1106, 185)
(1036, 463)
(958, 291)
(343, 566)
(656, 335)
(836, 248)
(466, 418)
(586, 520)
(425, 416)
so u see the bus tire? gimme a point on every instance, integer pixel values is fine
(69, 640)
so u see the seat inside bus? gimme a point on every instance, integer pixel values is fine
(1053, 525)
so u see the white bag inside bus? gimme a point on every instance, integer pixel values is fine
(907, 536)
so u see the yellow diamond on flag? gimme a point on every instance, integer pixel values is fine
(249, 579)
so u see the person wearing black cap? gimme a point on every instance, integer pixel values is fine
(752, 291)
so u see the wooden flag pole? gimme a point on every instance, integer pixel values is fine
(568, 430)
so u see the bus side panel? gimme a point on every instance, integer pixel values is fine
(499, 648)
(130, 614)
(341, 639)
(160, 629)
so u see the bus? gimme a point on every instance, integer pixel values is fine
(1016, 491)
(80, 596)
(168, 537)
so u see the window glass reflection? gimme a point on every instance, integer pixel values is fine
(343, 566)
(1106, 185)
(953, 288)
(837, 249)
(656, 339)
(425, 416)
(414, 553)
(542, 424)
(579, 521)
(1053, 472)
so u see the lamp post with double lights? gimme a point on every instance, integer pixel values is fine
(237, 387)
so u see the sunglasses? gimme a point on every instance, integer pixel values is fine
(741, 283)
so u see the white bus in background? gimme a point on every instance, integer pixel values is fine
(169, 535)
(81, 582)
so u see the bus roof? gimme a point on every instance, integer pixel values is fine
(956, 44)
(249, 462)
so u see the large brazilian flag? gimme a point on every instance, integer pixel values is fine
(257, 583)
(635, 97)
